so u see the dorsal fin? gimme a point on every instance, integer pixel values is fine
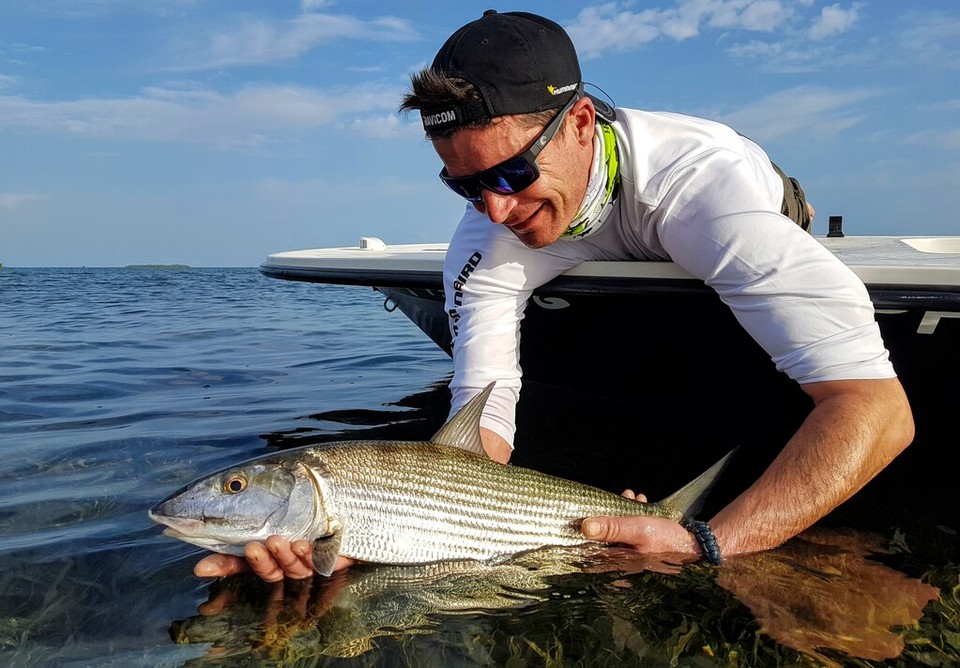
(463, 429)
(687, 501)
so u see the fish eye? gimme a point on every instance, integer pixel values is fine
(234, 484)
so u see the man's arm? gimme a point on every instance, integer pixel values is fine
(855, 429)
(495, 445)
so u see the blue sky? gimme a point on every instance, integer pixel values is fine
(213, 133)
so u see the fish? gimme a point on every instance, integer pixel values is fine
(402, 502)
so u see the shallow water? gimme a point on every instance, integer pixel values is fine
(119, 385)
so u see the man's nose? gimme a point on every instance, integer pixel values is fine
(497, 207)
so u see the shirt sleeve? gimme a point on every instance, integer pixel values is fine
(488, 277)
(807, 309)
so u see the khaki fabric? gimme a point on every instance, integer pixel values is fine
(794, 201)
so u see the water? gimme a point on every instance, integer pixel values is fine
(119, 385)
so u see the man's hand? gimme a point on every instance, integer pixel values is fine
(648, 534)
(273, 561)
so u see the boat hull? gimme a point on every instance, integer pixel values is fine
(707, 386)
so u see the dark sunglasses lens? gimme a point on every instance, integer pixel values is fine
(469, 191)
(467, 188)
(510, 177)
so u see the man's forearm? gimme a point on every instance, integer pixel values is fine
(856, 428)
(495, 446)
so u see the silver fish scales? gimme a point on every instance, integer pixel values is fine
(398, 502)
(416, 503)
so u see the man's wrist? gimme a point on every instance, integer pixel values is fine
(705, 539)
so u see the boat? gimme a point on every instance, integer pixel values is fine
(710, 379)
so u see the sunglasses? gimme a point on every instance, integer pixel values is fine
(513, 174)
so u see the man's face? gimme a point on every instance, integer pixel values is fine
(539, 214)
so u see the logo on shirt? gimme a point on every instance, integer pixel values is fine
(472, 262)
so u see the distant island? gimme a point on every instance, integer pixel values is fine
(158, 266)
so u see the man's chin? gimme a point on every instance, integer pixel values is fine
(537, 230)
(536, 239)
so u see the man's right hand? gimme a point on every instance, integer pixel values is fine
(272, 561)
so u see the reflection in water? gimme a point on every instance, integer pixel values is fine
(820, 595)
(820, 592)
(340, 616)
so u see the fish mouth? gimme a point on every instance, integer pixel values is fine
(174, 533)
(181, 526)
(192, 531)
(211, 544)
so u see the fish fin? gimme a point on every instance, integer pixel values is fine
(325, 552)
(463, 429)
(687, 501)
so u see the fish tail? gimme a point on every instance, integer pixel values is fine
(688, 500)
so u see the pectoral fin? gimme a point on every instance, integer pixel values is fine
(325, 552)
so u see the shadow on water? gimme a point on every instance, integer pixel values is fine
(415, 417)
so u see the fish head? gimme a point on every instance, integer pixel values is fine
(226, 510)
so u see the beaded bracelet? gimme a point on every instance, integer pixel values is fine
(706, 539)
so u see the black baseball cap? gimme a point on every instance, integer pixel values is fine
(521, 63)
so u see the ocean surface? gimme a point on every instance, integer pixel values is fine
(117, 386)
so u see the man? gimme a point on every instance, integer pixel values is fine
(554, 178)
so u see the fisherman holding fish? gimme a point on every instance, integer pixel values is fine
(554, 177)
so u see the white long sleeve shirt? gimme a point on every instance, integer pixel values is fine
(693, 192)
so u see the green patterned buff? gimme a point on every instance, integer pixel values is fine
(602, 188)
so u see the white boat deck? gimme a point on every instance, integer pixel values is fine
(916, 261)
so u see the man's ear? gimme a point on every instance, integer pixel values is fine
(584, 119)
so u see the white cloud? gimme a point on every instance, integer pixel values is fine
(615, 27)
(88, 8)
(760, 16)
(783, 57)
(383, 127)
(951, 139)
(262, 41)
(250, 116)
(944, 105)
(605, 28)
(804, 111)
(757, 49)
(11, 201)
(791, 51)
(313, 5)
(834, 20)
(943, 140)
(932, 39)
(7, 82)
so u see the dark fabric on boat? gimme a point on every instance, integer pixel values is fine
(794, 201)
